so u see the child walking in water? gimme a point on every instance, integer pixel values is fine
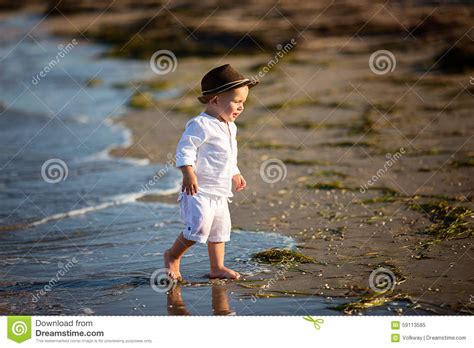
(207, 157)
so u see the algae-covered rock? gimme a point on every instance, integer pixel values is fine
(141, 100)
(93, 82)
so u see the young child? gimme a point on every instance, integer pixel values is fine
(207, 157)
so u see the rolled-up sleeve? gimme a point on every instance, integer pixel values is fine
(192, 138)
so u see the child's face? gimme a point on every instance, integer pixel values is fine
(229, 105)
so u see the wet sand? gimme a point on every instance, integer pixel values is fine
(335, 226)
(334, 123)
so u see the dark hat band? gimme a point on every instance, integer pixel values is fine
(225, 87)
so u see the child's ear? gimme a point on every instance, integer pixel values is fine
(215, 100)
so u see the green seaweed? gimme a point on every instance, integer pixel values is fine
(308, 101)
(381, 199)
(469, 162)
(404, 80)
(399, 277)
(157, 85)
(330, 185)
(338, 105)
(281, 256)
(325, 173)
(145, 85)
(338, 185)
(165, 30)
(350, 144)
(244, 125)
(294, 292)
(447, 221)
(93, 82)
(291, 59)
(297, 162)
(307, 124)
(385, 107)
(437, 108)
(389, 195)
(252, 286)
(425, 170)
(433, 151)
(141, 100)
(380, 297)
(188, 109)
(271, 145)
(332, 234)
(122, 85)
(365, 125)
(370, 301)
(263, 67)
(293, 103)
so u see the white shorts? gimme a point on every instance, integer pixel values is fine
(207, 217)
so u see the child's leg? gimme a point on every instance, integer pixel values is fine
(216, 258)
(173, 255)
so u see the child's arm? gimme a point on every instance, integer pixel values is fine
(237, 178)
(186, 154)
(190, 184)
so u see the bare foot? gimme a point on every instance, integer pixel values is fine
(224, 273)
(172, 265)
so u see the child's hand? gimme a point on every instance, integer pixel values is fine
(190, 184)
(239, 182)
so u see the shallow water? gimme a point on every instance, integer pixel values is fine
(108, 258)
(61, 118)
(84, 245)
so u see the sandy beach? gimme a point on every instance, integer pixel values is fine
(365, 169)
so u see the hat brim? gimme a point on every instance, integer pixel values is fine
(206, 97)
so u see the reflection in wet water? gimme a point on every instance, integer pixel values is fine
(219, 296)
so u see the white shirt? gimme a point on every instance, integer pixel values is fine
(207, 146)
